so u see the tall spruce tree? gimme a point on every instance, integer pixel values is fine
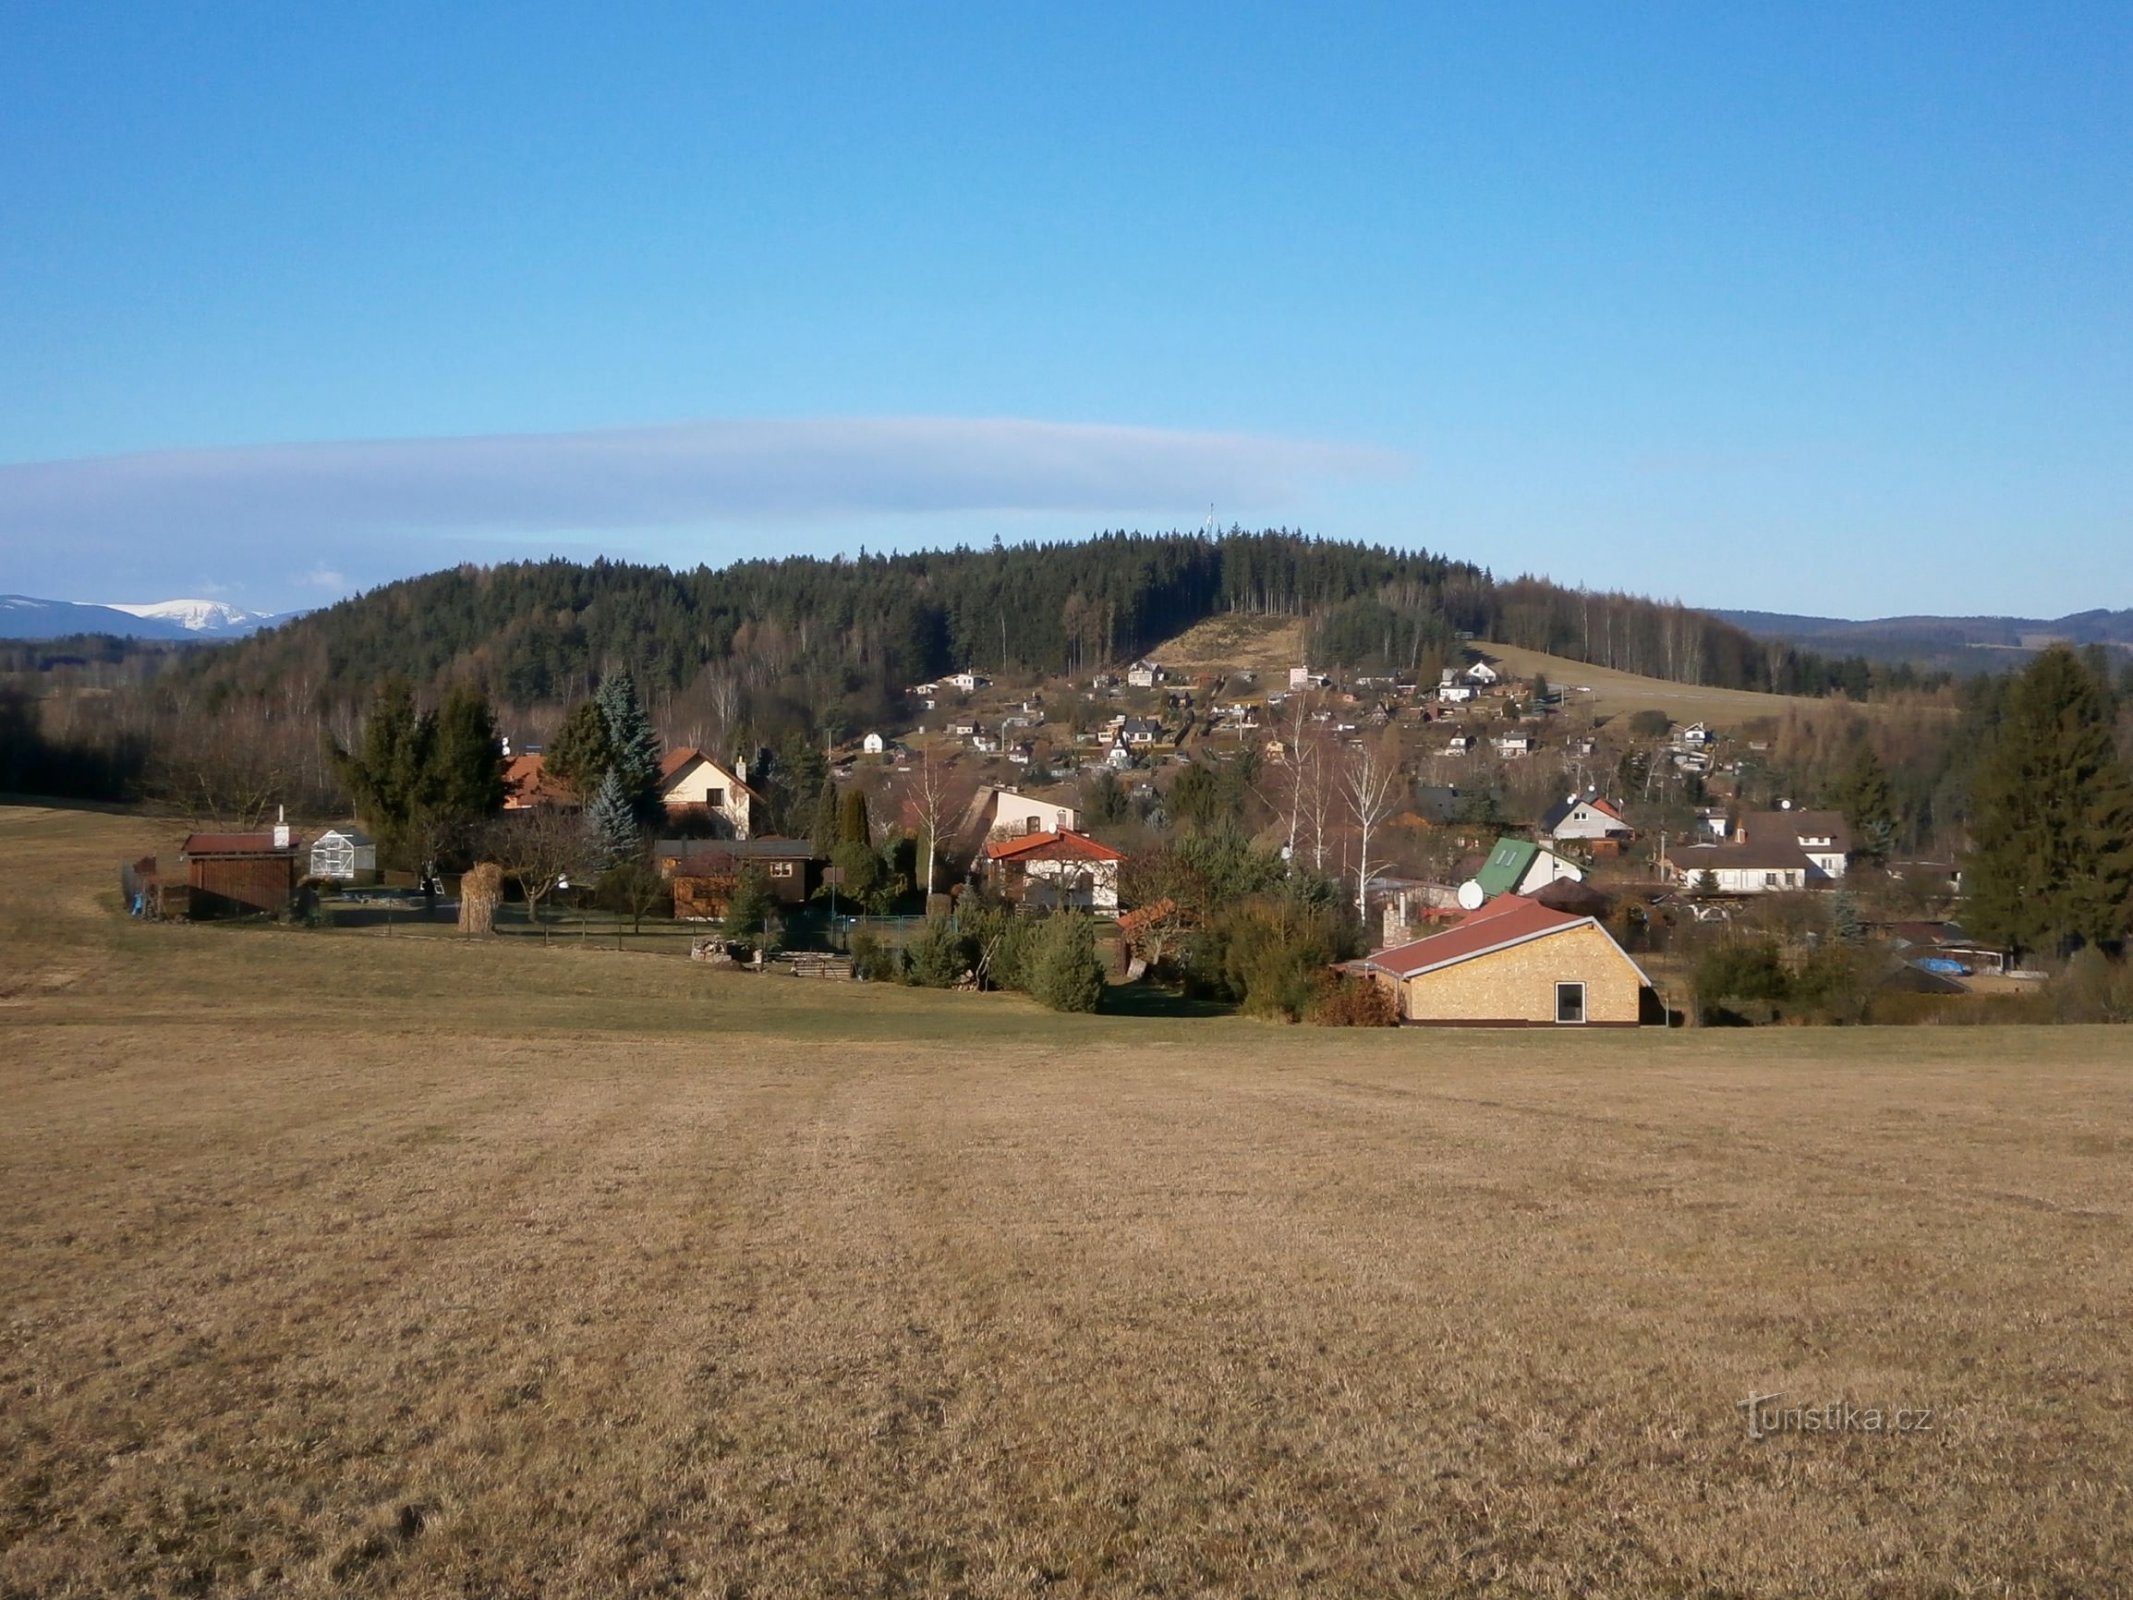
(580, 753)
(2051, 860)
(1864, 797)
(466, 761)
(632, 745)
(391, 775)
(610, 823)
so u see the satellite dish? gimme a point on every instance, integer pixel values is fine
(1471, 896)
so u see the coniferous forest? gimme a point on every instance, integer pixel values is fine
(539, 632)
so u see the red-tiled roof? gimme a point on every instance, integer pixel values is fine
(527, 783)
(238, 844)
(1052, 847)
(674, 760)
(1507, 920)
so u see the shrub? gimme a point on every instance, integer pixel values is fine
(876, 960)
(938, 956)
(1064, 970)
(1345, 1001)
(1649, 724)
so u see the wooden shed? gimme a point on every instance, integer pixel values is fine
(242, 874)
(1516, 963)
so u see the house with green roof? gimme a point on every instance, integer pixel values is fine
(1519, 866)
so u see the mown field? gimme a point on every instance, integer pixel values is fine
(338, 1264)
(1274, 644)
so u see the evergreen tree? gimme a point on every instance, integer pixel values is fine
(853, 825)
(391, 774)
(1864, 797)
(581, 752)
(795, 778)
(826, 833)
(1064, 970)
(632, 745)
(2051, 859)
(467, 760)
(752, 909)
(610, 823)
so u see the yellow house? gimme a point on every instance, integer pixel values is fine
(1515, 963)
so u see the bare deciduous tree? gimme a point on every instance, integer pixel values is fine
(539, 849)
(1370, 784)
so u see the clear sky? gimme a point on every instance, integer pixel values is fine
(1808, 308)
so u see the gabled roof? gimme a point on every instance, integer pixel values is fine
(1512, 920)
(1559, 813)
(1507, 864)
(675, 762)
(526, 779)
(238, 844)
(1052, 847)
(353, 835)
(1795, 825)
(738, 849)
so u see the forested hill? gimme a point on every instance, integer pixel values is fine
(858, 629)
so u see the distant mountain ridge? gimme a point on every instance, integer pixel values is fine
(1961, 644)
(27, 617)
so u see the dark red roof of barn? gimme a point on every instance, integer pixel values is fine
(238, 844)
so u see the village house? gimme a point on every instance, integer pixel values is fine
(1459, 744)
(1586, 819)
(1771, 852)
(1144, 675)
(873, 744)
(694, 787)
(344, 855)
(703, 872)
(1512, 746)
(1060, 871)
(1140, 731)
(1453, 694)
(1519, 866)
(1482, 676)
(968, 682)
(1515, 963)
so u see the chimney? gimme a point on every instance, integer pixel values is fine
(281, 828)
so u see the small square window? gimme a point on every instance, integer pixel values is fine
(781, 869)
(1570, 1002)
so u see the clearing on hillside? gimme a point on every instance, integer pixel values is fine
(339, 1263)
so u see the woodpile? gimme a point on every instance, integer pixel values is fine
(481, 891)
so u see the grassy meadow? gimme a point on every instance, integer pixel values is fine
(335, 1263)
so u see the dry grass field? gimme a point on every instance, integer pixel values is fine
(1274, 644)
(338, 1264)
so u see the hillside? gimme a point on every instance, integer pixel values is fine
(1963, 645)
(1618, 693)
(804, 638)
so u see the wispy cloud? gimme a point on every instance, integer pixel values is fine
(657, 477)
(310, 513)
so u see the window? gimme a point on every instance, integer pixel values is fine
(1770, 880)
(1570, 1002)
(715, 799)
(781, 869)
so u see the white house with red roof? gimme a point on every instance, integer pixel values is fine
(1585, 817)
(1065, 871)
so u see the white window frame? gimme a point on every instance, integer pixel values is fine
(1582, 1012)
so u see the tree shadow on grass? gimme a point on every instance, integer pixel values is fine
(1153, 1001)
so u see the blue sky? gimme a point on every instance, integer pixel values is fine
(1824, 309)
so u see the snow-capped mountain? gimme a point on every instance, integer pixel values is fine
(26, 617)
(214, 617)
